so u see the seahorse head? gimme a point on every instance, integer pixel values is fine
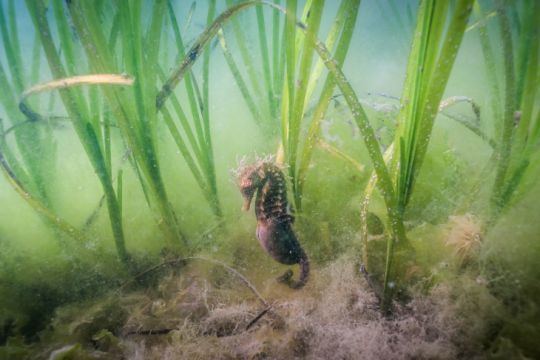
(250, 179)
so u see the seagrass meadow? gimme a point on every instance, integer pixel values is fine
(390, 152)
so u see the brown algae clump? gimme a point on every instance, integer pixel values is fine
(194, 314)
(465, 237)
(337, 317)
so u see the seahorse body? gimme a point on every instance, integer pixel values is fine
(274, 222)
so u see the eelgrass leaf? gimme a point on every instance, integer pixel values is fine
(29, 142)
(245, 54)
(119, 191)
(364, 207)
(194, 103)
(428, 89)
(277, 73)
(14, 164)
(475, 129)
(194, 168)
(242, 86)
(512, 184)
(297, 115)
(8, 102)
(527, 38)
(430, 62)
(184, 123)
(491, 70)
(190, 15)
(37, 205)
(36, 63)
(508, 114)
(528, 81)
(115, 31)
(204, 104)
(14, 33)
(204, 168)
(519, 139)
(405, 135)
(100, 58)
(346, 10)
(263, 44)
(344, 25)
(210, 165)
(77, 110)
(65, 36)
(11, 52)
(107, 139)
(113, 207)
(432, 31)
(150, 58)
(384, 183)
(340, 154)
(290, 70)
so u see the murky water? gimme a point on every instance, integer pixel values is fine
(121, 230)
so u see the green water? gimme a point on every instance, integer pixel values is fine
(470, 290)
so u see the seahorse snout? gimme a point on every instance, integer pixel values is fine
(247, 204)
(247, 194)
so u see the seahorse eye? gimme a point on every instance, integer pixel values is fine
(246, 183)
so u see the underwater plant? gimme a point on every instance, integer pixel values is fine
(465, 237)
(140, 93)
(262, 99)
(513, 100)
(430, 61)
(32, 141)
(136, 119)
(77, 106)
(197, 150)
(135, 112)
(289, 79)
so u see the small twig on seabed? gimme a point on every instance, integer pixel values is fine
(258, 317)
(150, 332)
(166, 331)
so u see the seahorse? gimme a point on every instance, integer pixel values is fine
(274, 221)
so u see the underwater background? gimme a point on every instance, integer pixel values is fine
(411, 154)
